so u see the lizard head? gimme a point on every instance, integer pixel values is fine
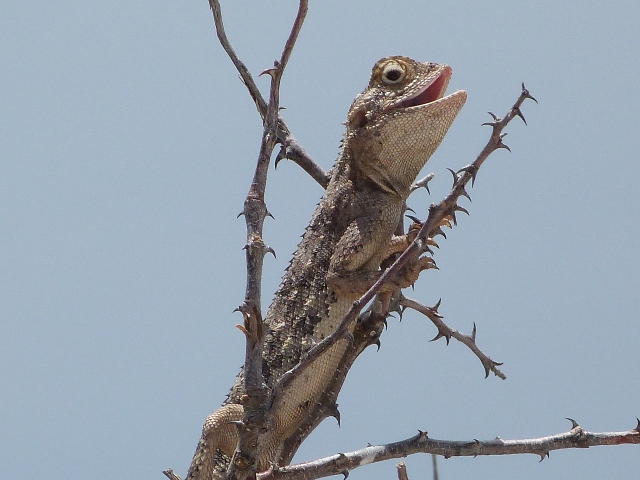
(396, 124)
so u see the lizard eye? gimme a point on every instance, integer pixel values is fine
(392, 74)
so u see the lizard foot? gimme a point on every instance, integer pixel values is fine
(411, 271)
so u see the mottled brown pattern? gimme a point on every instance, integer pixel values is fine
(393, 127)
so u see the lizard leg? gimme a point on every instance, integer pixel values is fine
(218, 433)
(368, 240)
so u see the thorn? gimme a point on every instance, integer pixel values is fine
(518, 112)
(440, 335)
(345, 473)
(471, 170)
(458, 208)
(495, 122)
(637, 429)
(503, 145)
(282, 154)
(432, 242)
(526, 93)
(574, 424)
(239, 424)
(455, 175)
(543, 455)
(401, 311)
(487, 370)
(464, 193)
(452, 213)
(377, 344)
(269, 215)
(423, 183)
(414, 219)
(410, 209)
(334, 412)
(473, 333)
(439, 231)
(240, 214)
(428, 263)
(437, 305)
(422, 435)
(243, 329)
(271, 251)
(446, 222)
(269, 71)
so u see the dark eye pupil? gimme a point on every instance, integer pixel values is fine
(393, 75)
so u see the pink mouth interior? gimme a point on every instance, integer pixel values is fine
(432, 93)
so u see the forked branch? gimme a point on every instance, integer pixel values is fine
(244, 463)
(291, 148)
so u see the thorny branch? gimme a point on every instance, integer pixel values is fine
(369, 327)
(441, 214)
(343, 463)
(446, 332)
(244, 463)
(291, 148)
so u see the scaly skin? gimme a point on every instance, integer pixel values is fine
(393, 127)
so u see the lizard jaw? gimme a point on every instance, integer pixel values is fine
(432, 92)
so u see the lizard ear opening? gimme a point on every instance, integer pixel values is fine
(358, 119)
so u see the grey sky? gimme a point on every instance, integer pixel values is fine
(127, 144)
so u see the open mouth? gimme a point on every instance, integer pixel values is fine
(432, 92)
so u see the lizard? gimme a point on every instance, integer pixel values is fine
(392, 129)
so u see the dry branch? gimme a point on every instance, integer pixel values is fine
(291, 148)
(402, 471)
(446, 332)
(343, 463)
(244, 463)
(243, 466)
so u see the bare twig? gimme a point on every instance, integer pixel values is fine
(170, 475)
(447, 332)
(244, 463)
(342, 463)
(291, 147)
(402, 471)
(246, 77)
(445, 212)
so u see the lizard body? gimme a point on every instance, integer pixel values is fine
(393, 127)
